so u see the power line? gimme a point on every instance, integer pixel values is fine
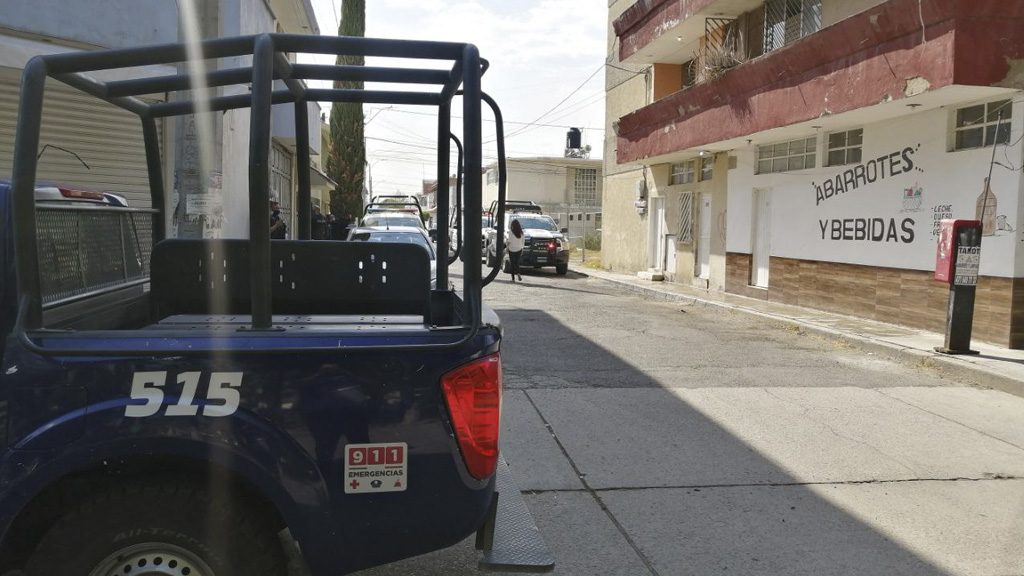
(492, 120)
(581, 105)
(635, 72)
(571, 94)
(434, 148)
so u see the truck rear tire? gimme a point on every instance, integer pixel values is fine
(562, 269)
(165, 528)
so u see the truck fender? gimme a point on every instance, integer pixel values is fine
(242, 443)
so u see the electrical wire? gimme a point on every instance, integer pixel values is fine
(555, 107)
(492, 120)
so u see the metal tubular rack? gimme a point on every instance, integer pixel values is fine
(269, 64)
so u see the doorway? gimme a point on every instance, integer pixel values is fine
(670, 255)
(704, 239)
(762, 233)
(656, 242)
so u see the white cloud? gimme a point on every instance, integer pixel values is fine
(539, 50)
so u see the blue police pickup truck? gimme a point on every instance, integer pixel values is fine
(202, 407)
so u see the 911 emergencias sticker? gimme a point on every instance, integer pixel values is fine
(375, 468)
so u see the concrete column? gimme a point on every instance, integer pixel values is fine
(198, 157)
(719, 202)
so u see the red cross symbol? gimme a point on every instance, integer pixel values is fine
(354, 484)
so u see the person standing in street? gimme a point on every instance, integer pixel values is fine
(318, 224)
(514, 244)
(278, 229)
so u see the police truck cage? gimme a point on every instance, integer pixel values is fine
(251, 287)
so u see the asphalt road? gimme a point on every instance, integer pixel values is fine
(653, 438)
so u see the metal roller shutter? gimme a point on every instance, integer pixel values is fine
(106, 137)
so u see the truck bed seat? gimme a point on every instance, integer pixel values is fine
(307, 278)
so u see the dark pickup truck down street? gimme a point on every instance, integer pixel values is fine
(215, 407)
(545, 245)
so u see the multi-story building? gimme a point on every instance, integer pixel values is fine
(804, 151)
(569, 189)
(97, 145)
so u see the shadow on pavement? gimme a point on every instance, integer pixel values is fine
(664, 486)
(693, 497)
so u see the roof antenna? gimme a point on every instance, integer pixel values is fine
(45, 146)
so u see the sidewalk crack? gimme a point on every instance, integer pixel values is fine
(590, 490)
(806, 412)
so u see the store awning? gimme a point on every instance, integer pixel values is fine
(318, 179)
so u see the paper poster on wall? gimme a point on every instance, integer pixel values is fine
(209, 205)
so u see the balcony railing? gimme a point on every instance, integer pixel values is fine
(786, 21)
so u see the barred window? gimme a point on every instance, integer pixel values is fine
(976, 125)
(845, 147)
(683, 173)
(585, 186)
(492, 176)
(786, 21)
(684, 218)
(281, 179)
(786, 156)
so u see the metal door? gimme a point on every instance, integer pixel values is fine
(762, 237)
(107, 140)
(670, 254)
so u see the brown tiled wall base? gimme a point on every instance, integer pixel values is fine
(908, 297)
(737, 276)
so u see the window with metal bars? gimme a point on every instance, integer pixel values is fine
(684, 218)
(786, 21)
(281, 179)
(585, 186)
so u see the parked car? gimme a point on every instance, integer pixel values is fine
(391, 219)
(545, 244)
(486, 222)
(398, 235)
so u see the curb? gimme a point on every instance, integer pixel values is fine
(945, 366)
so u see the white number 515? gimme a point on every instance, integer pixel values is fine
(148, 387)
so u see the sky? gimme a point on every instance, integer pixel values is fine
(541, 52)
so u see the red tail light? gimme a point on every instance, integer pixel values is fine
(473, 394)
(553, 245)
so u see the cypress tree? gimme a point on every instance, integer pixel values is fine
(347, 155)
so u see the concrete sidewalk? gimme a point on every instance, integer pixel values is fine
(995, 367)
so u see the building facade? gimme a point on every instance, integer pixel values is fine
(569, 189)
(804, 151)
(97, 145)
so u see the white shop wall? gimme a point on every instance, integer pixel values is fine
(877, 223)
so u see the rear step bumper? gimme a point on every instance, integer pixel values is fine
(509, 539)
